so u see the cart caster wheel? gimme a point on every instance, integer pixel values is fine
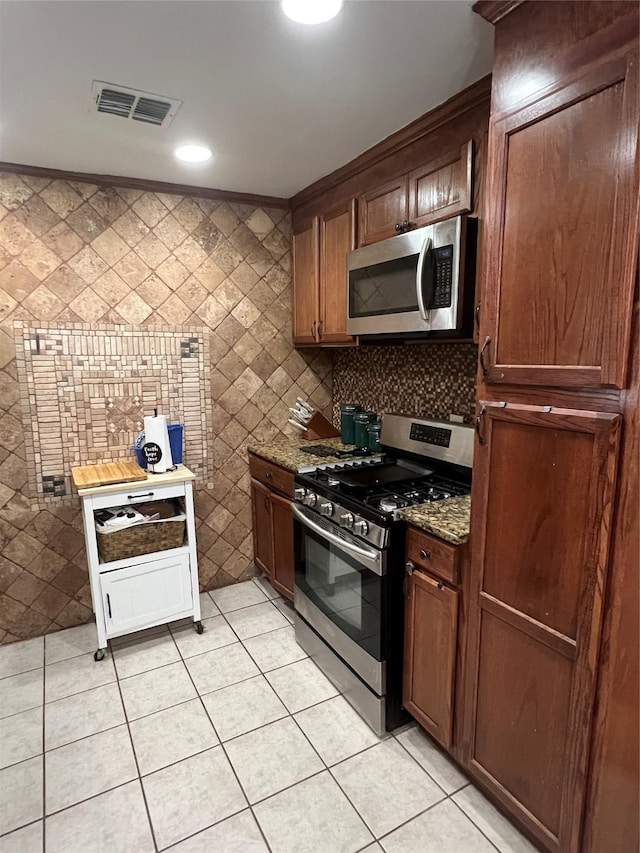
(99, 655)
(199, 627)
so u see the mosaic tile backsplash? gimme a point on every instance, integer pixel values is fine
(90, 271)
(85, 393)
(432, 380)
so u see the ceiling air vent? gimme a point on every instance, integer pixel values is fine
(133, 104)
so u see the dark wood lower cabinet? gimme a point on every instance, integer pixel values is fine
(282, 535)
(541, 516)
(262, 527)
(431, 634)
(273, 536)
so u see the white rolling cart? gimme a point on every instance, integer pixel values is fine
(152, 589)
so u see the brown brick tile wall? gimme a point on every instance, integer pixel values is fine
(81, 262)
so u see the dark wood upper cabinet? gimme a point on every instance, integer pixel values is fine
(442, 188)
(430, 645)
(320, 250)
(541, 516)
(436, 190)
(382, 209)
(561, 233)
(337, 238)
(305, 251)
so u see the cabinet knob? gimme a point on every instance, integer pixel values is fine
(398, 227)
(426, 555)
(268, 475)
(409, 566)
(406, 225)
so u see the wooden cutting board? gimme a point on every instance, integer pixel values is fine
(88, 476)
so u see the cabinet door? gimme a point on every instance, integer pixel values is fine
(262, 529)
(381, 209)
(306, 261)
(337, 238)
(430, 641)
(282, 526)
(561, 234)
(541, 515)
(442, 188)
(146, 594)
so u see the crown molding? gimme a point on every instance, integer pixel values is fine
(146, 185)
(494, 10)
(469, 98)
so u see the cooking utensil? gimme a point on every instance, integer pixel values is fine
(305, 405)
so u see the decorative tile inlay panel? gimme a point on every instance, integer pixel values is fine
(102, 280)
(80, 406)
(433, 380)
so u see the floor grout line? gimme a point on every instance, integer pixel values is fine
(435, 782)
(459, 807)
(118, 680)
(135, 758)
(384, 835)
(230, 763)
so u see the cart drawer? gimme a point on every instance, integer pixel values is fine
(134, 493)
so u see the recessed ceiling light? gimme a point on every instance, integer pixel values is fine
(311, 11)
(193, 153)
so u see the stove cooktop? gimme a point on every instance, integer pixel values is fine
(386, 486)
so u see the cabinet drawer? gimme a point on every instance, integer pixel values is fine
(146, 594)
(271, 475)
(438, 557)
(132, 495)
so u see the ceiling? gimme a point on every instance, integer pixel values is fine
(281, 104)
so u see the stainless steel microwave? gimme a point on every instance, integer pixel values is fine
(417, 283)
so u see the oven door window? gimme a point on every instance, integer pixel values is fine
(349, 594)
(385, 288)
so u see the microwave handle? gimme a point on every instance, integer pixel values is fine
(420, 272)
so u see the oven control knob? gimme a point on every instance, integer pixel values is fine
(326, 508)
(299, 493)
(361, 527)
(310, 499)
(346, 520)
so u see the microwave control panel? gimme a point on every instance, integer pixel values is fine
(444, 276)
(430, 434)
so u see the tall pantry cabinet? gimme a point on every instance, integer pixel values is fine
(554, 472)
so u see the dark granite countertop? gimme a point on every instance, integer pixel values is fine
(448, 519)
(286, 452)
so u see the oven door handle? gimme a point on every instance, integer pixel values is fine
(420, 272)
(370, 555)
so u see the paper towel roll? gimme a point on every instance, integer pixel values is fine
(156, 447)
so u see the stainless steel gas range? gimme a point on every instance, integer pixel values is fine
(349, 556)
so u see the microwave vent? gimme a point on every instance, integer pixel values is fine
(132, 104)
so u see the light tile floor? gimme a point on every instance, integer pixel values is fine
(232, 742)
